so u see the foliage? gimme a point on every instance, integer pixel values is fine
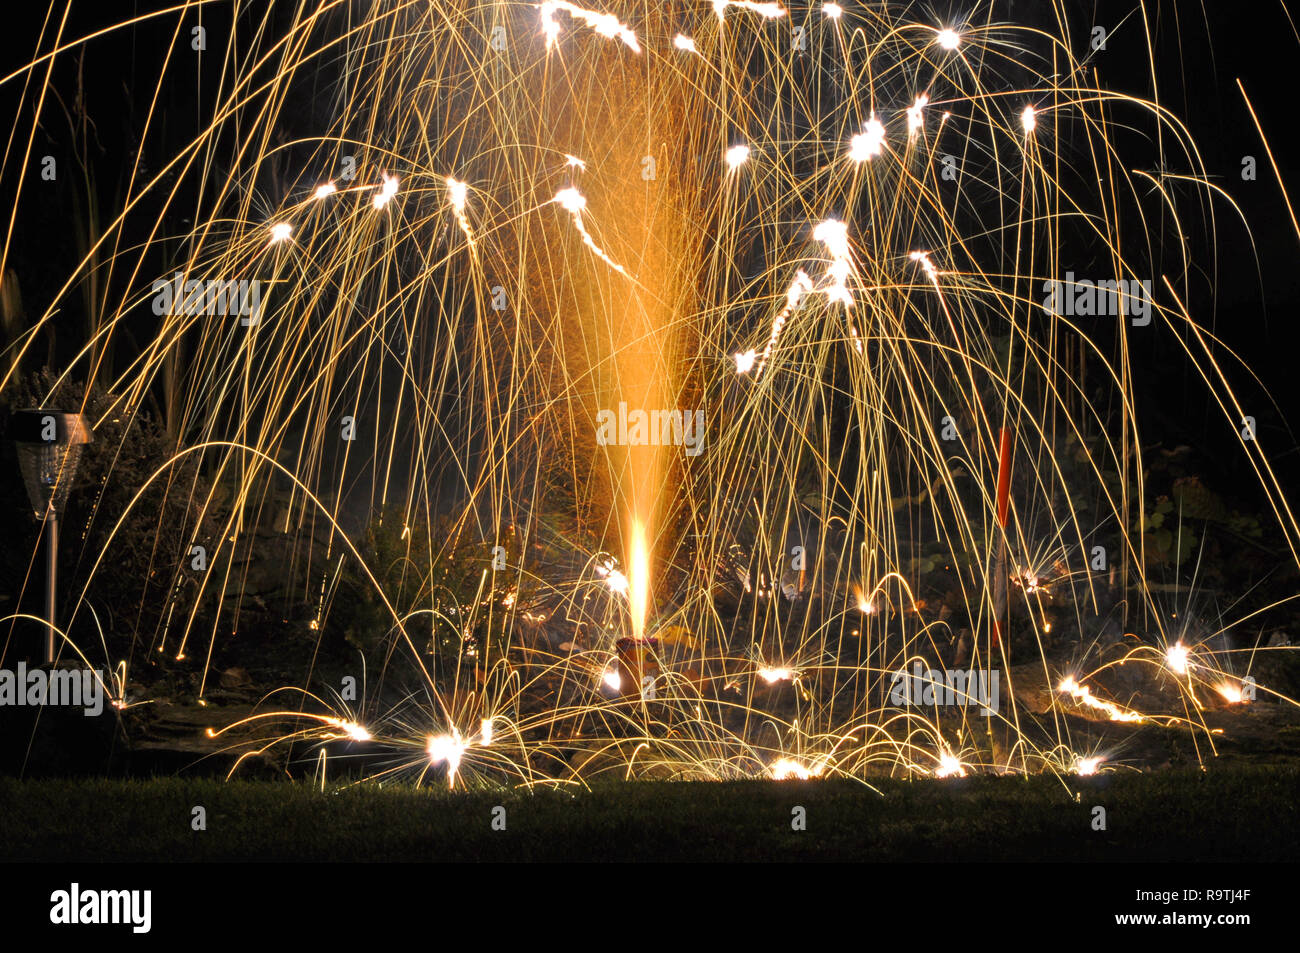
(125, 545)
(456, 596)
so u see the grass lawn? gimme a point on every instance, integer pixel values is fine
(1237, 812)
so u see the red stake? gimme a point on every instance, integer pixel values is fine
(1004, 476)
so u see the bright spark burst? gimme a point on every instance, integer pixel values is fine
(774, 675)
(1087, 766)
(615, 579)
(387, 189)
(449, 748)
(948, 38)
(915, 118)
(794, 296)
(574, 202)
(327, 188)
(684, 43)
(1029, 119)
(280, 232)
(770, 10)
(786, 768)
(605, 24)
(457, 196)
(833, 10)
(571, 200)
(923, 259)
(1177, 658)
(869, 143)
(950, 766)
(834, 235)
(457, 193)
(736, 156)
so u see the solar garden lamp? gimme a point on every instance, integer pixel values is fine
(49, 446)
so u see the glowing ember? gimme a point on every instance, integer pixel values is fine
(613, 679)
(1231, 693)
(1083, 694)
(350, 728)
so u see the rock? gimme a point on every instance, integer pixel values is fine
(234, 678)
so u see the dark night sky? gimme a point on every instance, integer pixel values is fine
(1202, 50)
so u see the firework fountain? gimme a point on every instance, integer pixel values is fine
(646, 365)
